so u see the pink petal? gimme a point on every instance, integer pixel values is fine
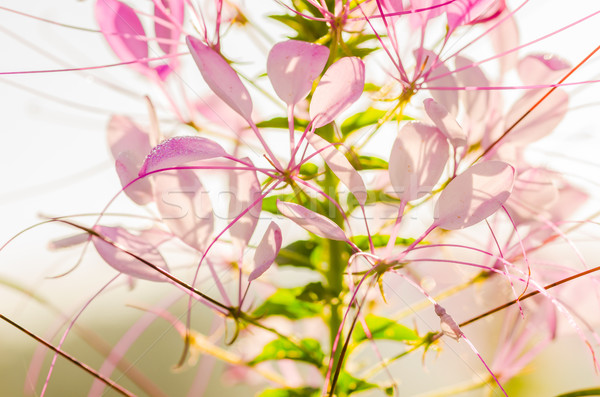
(504, 38)
(462, 12)
(534, 192)
(418, 158)
(245, 190)
(419, 19)
(125, 263)
(176, 9)
(123, 135)
(184, 207)
(542, 69)
(292, 66)
(474, 195)
(218, 112)
(476, 102)
(127, 169)
(341, 85)
(221, 78)
(445, 122)
(180, 150)
(340, 166)
(541, 121)
(123, 31)
(434, 67)
(311, 221)
(267, 251)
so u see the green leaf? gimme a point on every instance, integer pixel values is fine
(297, 254)
(370, 87)
(269, 204)
(373, 196)
(280, 349)
(586, 392)
(369, 117)
(372, 163)
(309, 170)
(297, 392)
(315, 292)
(282, 122)
(348, 384)
(383, 328)
(379, 240)
(285, 302)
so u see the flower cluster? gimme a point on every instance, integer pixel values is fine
(356, 195)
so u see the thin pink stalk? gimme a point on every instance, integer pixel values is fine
(494, 26)
(64, 25)
(69, 327)
(407, 12)
(122, 346)
(501, 254)
(205, 253)
(396, 229)
(510, 87)
(309, 17)
(141, 60)
(118, 388)
(500, 55)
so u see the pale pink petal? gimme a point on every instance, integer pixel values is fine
(221, 78)
(340, 166)
(462, 12)
(267, 251)
(533, 194)
(123, 31)
(445, 122)
(434, 67)
(418, 158)
(180, 150)
(474, 195)
(123, 135)
(127, 168)
(341, 85)
(216, 111)
(311, 221)
(542, 69)
(504, 38)
(176, 10)
(419, 19)
(184, 207)
(476, 102)
(541, 121)
(245, 190)
(122, 261)
(68, 242)
(292, 66)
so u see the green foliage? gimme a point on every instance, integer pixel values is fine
(586, 392)
(371, 163)
(285, 302)
(297, 254)
(315, 292)
(282, 123)
(371, 116)
(348, 384)
(379, 240)
(383, 328)
(296, 392)
(308, 351)
(373, 196)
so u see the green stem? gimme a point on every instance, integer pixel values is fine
(335, 270)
